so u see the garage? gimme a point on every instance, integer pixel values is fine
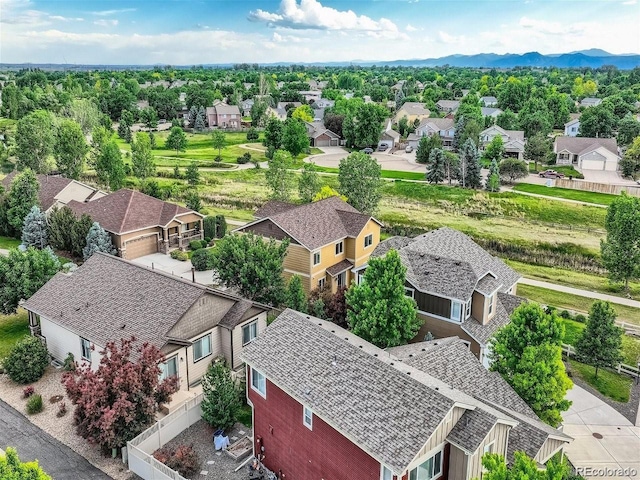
(593, 164)
(326, 139)
(141, 246)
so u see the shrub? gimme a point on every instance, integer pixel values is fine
(34, 404)
(27, 361)
(218, 159)
(549, 310)
(207, 240)
(202, 259)
(179, 255)
(252, 134)
(69, 363)
(62, 410)
(221, 402)
(565, 314)
(580, 318)
(183, 459)
(195, 245)
(244, 158)
(28, 391)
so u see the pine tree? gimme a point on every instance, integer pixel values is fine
(34, 229)
(601, 341)
(199, 124)
(296, 299)
(221, 397)
(435, 167)
(193, 115)
(470, 168)
(458, 134)
(493, 180)
(98, 240)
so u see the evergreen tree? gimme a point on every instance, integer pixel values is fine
(22, 196)
(124, 127)
(601, 341)
(493, 180)
(98, 240)
(192, 201)
(221, 397)
(379, 311)
(34, 229)
(470, 168)
(61, 222)
(273, 133)
(425, 146)
(141, 157)
(199, 124)
(527, 352)
(458, 134)
(192, 117)
(79, 233)
(435, 167)
(308, 182)
(296, 298)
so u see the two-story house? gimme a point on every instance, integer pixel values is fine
(327, 404)
(443, 127)
(572, 127)
(108, 299)
(513, 140)
(587, 153)
(329, 240)
(222, 115)
(459, 288)
(448, 106)
(413, 111)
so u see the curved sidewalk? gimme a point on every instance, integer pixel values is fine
(582, 293)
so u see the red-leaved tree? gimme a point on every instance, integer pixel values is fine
(119, 400)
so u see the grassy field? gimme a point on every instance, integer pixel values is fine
(576, 303)
(610, 384)
(12, 329)
(630, 345)
(390, 174)
(8, 242)
(572, 278)
(579, 195)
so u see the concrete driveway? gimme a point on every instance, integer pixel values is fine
(333, 155)
(606, 444)
(602, 176)
(32, 443)
(164, 263)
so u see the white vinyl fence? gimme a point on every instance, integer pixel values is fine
(570, 351)
(140, 449)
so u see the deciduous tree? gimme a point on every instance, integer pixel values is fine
(511, 169)
(177, 140)
(278, 176)
(70, 149)
(425, 146)
(379, 311)
(273, 133)
(12, 468)
(142, 162)
(601, 341)
(308, 182)
(118, 401)
(35, 139)
(110, 167)
(628, 129)
(192, 173)
(296, 298)
(598, 122)
(221, 397)
(294, 136)
(359, 178)
(495, 149)
(22, 196)
(303, 113)
(537, 149)
(219, 141)
(325, 192)
(252, 265)
(522, 467)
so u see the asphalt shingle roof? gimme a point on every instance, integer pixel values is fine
(50, 186)
(581, 145)
(505, 306)
(472, 428)
(339, 267)
(128, 210)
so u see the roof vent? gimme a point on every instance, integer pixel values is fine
(319, 323)
(360, 346)
(123, 326)
(333, 331)
(410, 355)
(391, 363)
(375, 354)
(334, 363)
(437, 388)
(77, 309)
(408, 373)
(424, 349)
(346, 338)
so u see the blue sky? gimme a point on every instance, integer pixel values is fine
(229, 31)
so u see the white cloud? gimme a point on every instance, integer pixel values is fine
(66, 19)
(410, 28)
(311, 14)
(106, 23)
(449, 39)
(630, 2)
(106, 13)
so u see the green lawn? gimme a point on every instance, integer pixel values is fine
(572, 331)
(573, 278)
(12, 329)
(390, 174)
(567, 170)
(630, 345)
(577, 303)
(7, 242)
(244, 416)
(611, 384)
(579, 195)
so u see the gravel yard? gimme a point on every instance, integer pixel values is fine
(63, 428)
(217, 465)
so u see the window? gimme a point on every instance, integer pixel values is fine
(202, 348)
(85, 346)
(258, 382)
(467, 312)
(428, 470)
(307, 417)
(409, 292)
(488, 448)
(322, 282)
(368, 240)
(385, 473)
(169, 368)
(341, 279)
(316, 258)
(249, 333)
(563, 156)
(491, 302)
(456, 310)
(339, 248)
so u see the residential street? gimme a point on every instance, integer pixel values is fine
(55, 458)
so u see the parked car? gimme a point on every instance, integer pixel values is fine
(383, 147)
(551, 174)
(367, 150)
(409, 149)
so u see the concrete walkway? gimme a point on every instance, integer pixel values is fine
(164, 263)
(582, 293)
(603, 438)
(32, 443)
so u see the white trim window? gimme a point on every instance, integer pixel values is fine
(85, 348)
(456, 310)
(322, 281)
(201, 348)
(169, 368)
(467, 311)
(429, 469)
(258, 382)
(488, 448)
(385, 473)
(339, 248)
(316, 258)
(307, 417)
(492, 300)
(249, 332)
(409, 292)
(368, 241)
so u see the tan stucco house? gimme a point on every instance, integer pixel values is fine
(109, 298)
(330, 241)
(140, 224)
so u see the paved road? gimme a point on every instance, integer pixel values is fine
(617, 446)
(582, 293)
(55, 458)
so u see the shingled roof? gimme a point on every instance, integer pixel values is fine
(129, 210)
(505, 306)
(582, 145)
(315, 224)
(50, 187)
(448, 263)
(357, 388)
(109, 298)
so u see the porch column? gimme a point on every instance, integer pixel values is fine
(201, 228)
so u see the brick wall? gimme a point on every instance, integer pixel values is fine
(303, 454)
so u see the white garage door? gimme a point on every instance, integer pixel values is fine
(593, 164)
(141, 247)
